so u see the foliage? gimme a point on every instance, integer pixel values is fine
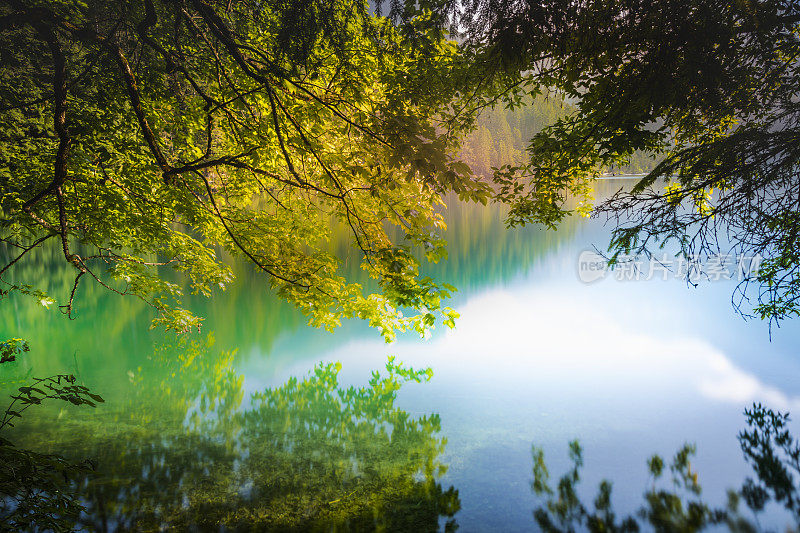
(142, 136)
(774, 455)
(192, 450)
(667, 509)
(11, 349)
(480, 252)
(37, 490)
(59, 387)
(767, 445)
(705, 88)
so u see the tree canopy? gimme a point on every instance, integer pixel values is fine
(143, 135)
(709, 88)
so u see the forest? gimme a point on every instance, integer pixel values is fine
(502, 136)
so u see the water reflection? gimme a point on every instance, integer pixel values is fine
(630, 368)
(544, 360)
(597, 345)
(482, 253)
(673, 500)
(191, 451)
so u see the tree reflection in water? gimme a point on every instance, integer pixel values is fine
(190, 452)
(677, 505)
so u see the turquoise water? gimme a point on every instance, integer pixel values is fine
(193, 430)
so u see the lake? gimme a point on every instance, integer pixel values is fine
(276, 425)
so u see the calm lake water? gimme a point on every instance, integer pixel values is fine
(276, 425)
